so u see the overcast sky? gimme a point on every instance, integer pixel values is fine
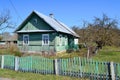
(70, 12)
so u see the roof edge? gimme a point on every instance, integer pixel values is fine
(24, 21)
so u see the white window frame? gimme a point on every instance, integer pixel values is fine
(23, 39)
(66, 40)
(43, 38)
(60, 40)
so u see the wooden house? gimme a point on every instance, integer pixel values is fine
(39, 33)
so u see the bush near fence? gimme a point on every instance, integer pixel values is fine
(76, 67)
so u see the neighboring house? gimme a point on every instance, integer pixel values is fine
(39, 33)
(8, 41)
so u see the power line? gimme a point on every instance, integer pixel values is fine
(15, 9)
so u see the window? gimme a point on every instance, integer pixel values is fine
(66, 42)
(60, 40)
(45, 39)
(35, 21)
(75, 41)
(25, 39)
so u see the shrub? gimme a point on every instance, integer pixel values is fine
(70, 51)
(81, 46)
(13, 49)
(17, 53)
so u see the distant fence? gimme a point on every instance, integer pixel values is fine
(77, 67)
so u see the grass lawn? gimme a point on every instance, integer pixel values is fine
(13, 75)
(108, 54)
(105, 54)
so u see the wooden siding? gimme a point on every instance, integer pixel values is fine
(64, 40)
(36, 48)
(35, 23)
(35, 42)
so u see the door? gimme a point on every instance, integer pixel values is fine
(70, 42)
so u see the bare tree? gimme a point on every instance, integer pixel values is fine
(5, 20)
(102, 31)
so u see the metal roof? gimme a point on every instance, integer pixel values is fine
(55, 24)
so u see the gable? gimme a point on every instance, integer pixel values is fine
(37, 22)
(34, 23)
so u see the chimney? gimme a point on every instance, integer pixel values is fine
(51, 15)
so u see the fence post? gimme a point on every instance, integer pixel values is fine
(112, 70)
(56, 67)
(16, 63)
(2, 62)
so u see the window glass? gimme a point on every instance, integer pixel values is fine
(26, 39)
(45, 39)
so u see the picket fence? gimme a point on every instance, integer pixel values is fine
(76, 67)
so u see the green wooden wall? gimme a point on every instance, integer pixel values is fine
(63, 45)
(35, 23)
(35, 42)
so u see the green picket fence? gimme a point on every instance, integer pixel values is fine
(117, 70)
(36, 64)
(81, 67)
(9, 61)
(0, 59)
(77, 67)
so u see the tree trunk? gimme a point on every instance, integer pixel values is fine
(88, 53)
